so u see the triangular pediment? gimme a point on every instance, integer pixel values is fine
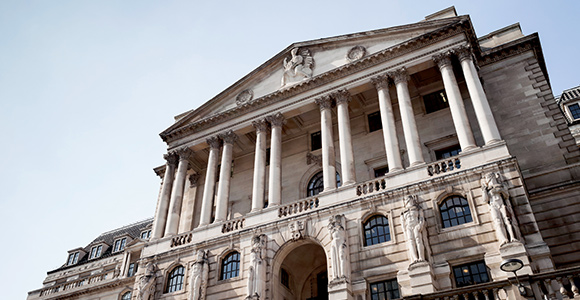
(303, 61)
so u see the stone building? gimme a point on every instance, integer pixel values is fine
(569, 103)
(406, 162)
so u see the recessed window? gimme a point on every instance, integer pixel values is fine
(175, 280)
(574, 110)
(119, 245)
(267, 156)
(377, 230)
(315, 141)
(132, 269)
(455, 211)
(231, 266)
(146, 234)
(126, 296)
(388, 289)
(375, 121)
(435, 101)
(284, 278)
(470, 274)
(73, 258)
(447, 152)
(382, 171)
(96, 251)
(316, 184)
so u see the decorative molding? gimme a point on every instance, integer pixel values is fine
(261, 125)
(341, 96)
(229, 137)
(443, 59)
(214, 142)
(324, 102)
(313, 159)
(184, 153)
(193, 179)
(356, 53)
(277, 119)
(296, 227)
(400, 75)
(381, 81)
(244, 96)
(171, 159)
(463, 53)
(298, 68)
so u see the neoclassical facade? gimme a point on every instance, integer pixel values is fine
(397, 163)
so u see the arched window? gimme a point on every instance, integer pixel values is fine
(230, 265)
(175, 280)
(316, 184)
(377, 230)
(126, 296)
(455, 211)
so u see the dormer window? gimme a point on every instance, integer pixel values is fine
(73, 258)
(145, 234)
(119, 245)
(574, 111)
(96, 251)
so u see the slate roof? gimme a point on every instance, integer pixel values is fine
(569, 94)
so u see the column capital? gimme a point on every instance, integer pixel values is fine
(341, 96)
(277, 119)
(463, 53)
(214, 142)
(443, 59)
(184, 153)
(324, 102)
(381, 82)
(261, 125)
(229, 137)
(171, 159)
(400, 75)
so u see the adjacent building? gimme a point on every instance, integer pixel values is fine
(407, 162)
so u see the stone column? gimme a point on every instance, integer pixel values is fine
(177, 192)
(390, 138)
(188, 206)
(401, 77)
(275, 176)
(458, 114)
(163, 207)
(328, 159)
(342, 98)
(209, 185)
(223, 194)
(480, 104)
(259, 184)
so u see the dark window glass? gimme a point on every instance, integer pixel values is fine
(231, 266)
(470, 274)
(388, 289)
(73, 258)
(146, 234)
(375, 121)
(132, 269)
(126, 296)
(284, 278)
(316, 184)
(315, 141)
(575, 110)
(175, 280)
(382, 171)
(455, 211)
(377, 230)
(447, 152)
(435, 101)
(267, 156)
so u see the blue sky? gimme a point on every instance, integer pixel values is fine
(86, 87)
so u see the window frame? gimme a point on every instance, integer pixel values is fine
(121, 243)
(457, 191)
(469, 265)
(367, 220)
(171, 275)
(384, 282)
(75, 258)
(311, 139)
(438, 108)
(320, 174)
(571, 111)
(122, 295)
(98, 251)
(147, 234)
(374, 114)
(224, 261)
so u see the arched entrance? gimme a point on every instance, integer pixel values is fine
(300, 272)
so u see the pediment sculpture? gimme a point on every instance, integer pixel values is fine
(298, 68)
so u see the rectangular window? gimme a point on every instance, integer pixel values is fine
(96, 251)
(132, 269)
(470, 274)
(375, 121)
(388, 289)
(73, 258)
(119, 245)
(267, 156)
(575, 110)
(145, 234)
(447, 152)
(315, 141)
(382, 171)
(284, 278)
(435, 101)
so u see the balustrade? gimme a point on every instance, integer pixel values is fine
(232, 225)
(373, 186)
(298, 207)
(444, 166)
(74, 284)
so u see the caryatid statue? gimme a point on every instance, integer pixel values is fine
(199, 275)
(413, 221)
(257, 269)
(339, 248)
(495, 194)
(146, 287)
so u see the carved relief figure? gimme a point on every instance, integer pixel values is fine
(413, 221)
(298, 68)
(199, 275)
(496, 195)
(147, 284)
(257, 270)
(339, 254)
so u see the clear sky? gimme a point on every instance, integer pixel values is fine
(87, 86)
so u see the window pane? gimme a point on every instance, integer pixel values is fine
(455, 211)
(375, 121)
(376, 230)
(388, 289)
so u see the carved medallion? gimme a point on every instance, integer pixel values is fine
(244, 96)
(356, 53)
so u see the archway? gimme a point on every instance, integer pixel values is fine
(301, 272)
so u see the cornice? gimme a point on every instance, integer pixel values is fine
(462, 25)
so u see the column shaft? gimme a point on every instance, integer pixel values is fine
(188, 206)
(345, 139)
(328, 158)
(177, 193)
(388, 121)
(275, 176)
(209, 185)
(458, 114)
(164, 197)
(259, 182)
(223, 194)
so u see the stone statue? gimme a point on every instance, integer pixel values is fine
(257, 270)
(199, 275)
(298, 68)
(413, 221)
(146, 288)
(339, 248)
(496, 195)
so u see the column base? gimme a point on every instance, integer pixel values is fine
(469, 148)
(420, 277)
(349, 183)
(417, 163)
(492, 142)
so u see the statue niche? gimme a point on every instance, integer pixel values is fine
(495, 193)
(298, 68)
